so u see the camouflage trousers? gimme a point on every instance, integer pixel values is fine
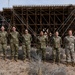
(26, 51)
(69, 54)
(3, 47)
(42, 51)
(56, 54)
(14, 50)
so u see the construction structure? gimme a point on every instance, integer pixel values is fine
(36, 18)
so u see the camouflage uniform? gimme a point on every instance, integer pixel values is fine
(42, 43)
(26, 45)
(14, 44)
(56, 44)
(69, 42)
(3, 42)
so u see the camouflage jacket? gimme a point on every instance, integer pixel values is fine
(27, 39)
(14, 37)
(3, 37)
(42, 41)
(56, 42)
(69, 41)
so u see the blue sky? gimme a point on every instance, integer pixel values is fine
(4, 3)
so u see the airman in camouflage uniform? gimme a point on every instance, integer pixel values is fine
(69, 42)
(56, 44)
(14, 43)
(3, 41)
(26, 44)
(42, 43)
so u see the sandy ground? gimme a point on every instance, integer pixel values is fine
(22, 68)
(33, 67)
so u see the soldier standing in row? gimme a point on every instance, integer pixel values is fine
(26, 44)
(56, 44)
(14, 43)
(42, 43)
(3, 41)
(69, 42)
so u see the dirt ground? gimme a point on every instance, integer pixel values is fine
(22, 68)
(33, 67)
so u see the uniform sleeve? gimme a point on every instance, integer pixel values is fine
(18, 36)
(0, 36)
(60, 40)
(74, 43)
(6, 35)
